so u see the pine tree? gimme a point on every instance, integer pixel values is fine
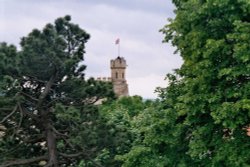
(47, 106)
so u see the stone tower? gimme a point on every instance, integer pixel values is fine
(118, 69)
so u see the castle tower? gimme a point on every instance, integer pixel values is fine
(118, 69)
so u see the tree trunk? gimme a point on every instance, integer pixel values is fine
(45, 121)
(51, 143)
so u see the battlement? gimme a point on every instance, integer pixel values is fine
(105, 79)
(119, 62)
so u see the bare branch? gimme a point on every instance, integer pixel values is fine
(29, 96)
(67, 142)
(5, 109)
(35, 140)
(9, 115)
(51, 103)
(24, 161)
(71, 155)
(21, 118)
(31, 115)
(58, 133)
(31, 77)
(46, 90)
(77, 155)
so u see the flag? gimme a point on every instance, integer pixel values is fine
(117, 41)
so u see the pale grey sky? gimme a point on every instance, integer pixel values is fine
(135, 22)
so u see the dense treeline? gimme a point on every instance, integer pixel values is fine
(49, 117)
(204, 111)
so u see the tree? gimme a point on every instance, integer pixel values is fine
(211, 36)
(160, 139)
(47, 110)
(204, 111)
(119, 117)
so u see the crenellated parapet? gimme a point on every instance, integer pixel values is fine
(105, 79)
(119, 62)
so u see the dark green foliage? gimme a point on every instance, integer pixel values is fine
(47, 109)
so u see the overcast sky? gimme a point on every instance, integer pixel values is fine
(135, 22)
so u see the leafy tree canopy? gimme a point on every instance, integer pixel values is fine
(204, 111)
(120, 117)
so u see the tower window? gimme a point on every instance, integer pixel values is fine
(123, 75)
(116, 75)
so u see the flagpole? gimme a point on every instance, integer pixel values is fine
(119, 49)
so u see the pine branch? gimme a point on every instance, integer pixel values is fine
(29, 96)
(9, 115)
(58, 133)
(77, 155)
(35, 139)
(5, 109)
(71, 155)
(46, 90)
(24, 161)
(31, 115)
